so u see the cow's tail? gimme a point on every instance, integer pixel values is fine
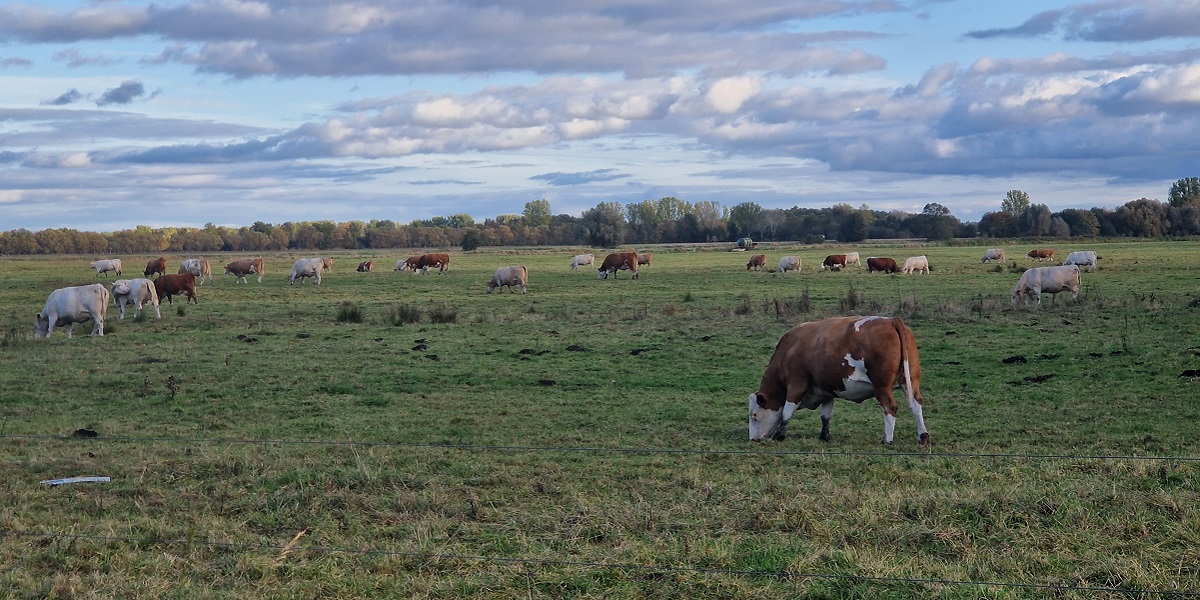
(908, 345)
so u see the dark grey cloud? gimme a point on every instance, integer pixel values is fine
(14, 61)
(1039, 24)
(274, 148)
(1109, 21)
(580, 177)
(444, 182)
(70, 96)
(125, 93)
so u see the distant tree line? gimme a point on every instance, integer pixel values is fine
(667, 220)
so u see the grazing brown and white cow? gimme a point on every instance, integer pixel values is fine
(309, 267)
(918, 264)
(408, 263)
(157, 265)
(852, 259)
(789, 263)
(106, 266)
(882, 263)
(993, 254)
(1047, 280)
(513, 277)
(366, 266)
(644, 259)
(428, 261)
(70, 305)
(136, 292)
(199, 268)
(757, 262)
(246, 266)
(1082, 258)
(1046, 254)
(580, 260)
(853, 358)
(618, 261)
(833, 262)
(183, 284)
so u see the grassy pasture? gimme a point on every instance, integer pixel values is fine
(588, 439)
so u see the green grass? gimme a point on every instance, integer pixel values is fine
(422, 433)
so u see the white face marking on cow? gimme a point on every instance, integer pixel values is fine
(763, 421)
(858, 385)
(859, 323)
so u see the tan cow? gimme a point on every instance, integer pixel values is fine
(513, 277)
(198, 267)
(580, 260)
(644, 259)
(618, 261)
(757, 262)
(852, 259)
(246, 266)
(853, 358)
(137, 292)
(106, 266)
(158, 265)
(1046, 254)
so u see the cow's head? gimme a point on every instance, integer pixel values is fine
(765, 422)
(603, 273)
(121, 287)
(41, 327)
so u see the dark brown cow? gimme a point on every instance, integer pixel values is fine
(168, 285)
(158, 265)
(246, 266)
(427, 261)
(1046, 254)
(757, 262)
(854, 358)
(618, 261)
(882, 263)
(366, 266)
(834, 262)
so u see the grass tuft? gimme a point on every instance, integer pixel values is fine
(349, 312)
(404, 314)
(448, 314)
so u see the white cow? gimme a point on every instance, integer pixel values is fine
(199, 268)
(310, 267)
(136, 292)
(581, 260)
(916, 263)
(71, 305)
(789, 263)
(106, 266)
(1047, 280)
(513, 277)
(996, 254)
(1082, 258)
(852, 259)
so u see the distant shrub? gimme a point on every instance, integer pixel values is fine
(349, 312)
(404, 314)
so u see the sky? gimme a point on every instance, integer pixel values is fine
(116, 113)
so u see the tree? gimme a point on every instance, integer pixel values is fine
(471, 240)
(1035, 221)
(855, 227)
(999, 224)
(604, 225)
(537, 213)
(936, 210)
(744, 219)
(1015, 202)
(1185, 191)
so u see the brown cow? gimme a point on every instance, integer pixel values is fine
(366, 266)
(1046, 254)
(854, 358)
(181, 283)
(757, 262)
(158, 265)
(618, 261)
(644, 259)
(246, 266)
(882, 263)
(441, 261)
(834, 262)
(409, 263)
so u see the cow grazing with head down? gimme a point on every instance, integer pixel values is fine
(198, 267)
(618, 261)
(246, 266)
(834, 262)
(757, 262)
(852, 259)
(789, 263)
(1046, 254)
(993, 254)
(70, 305)
(1082, 258)
(309, 267)
(106, 266)
(513, 277)
(853, 358)
(580, 260)
(915, 264)
(157, 265)
(1047, 280)
(183, 284)
(428, 261)
(136, 292)
(366, 266)
(409, 263)
(882, 263)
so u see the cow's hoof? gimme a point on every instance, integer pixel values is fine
(924, 439)
(825, 437)
(886, 443)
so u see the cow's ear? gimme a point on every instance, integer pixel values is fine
(760, 399)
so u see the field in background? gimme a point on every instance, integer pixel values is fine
(589, 438)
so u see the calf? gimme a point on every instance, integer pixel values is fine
(70, 305)
(136, 292)
(757, 262)
(181, 283)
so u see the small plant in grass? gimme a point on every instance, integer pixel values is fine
(443, 314)
(687, 297)
(140, 317)
(853, 300)
(349, 312)
(13, 334)
(404, 314)
(181, 310)
(743, 306)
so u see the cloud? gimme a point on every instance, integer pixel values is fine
(15, 62)
(1109, 21)
(123, 94)
(1039, 24)
(580, 178)
(74, 58)
(70, 96)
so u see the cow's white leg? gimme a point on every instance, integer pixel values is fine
(121, 306)
(917, 411)
(826, 417)
(70, 329)
(889, 427)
